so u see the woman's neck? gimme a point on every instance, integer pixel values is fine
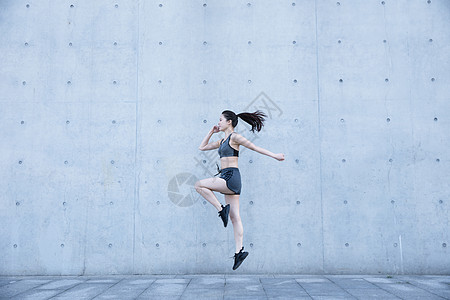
(228, 132)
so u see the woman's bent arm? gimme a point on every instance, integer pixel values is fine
(205, 146)
(205, 140)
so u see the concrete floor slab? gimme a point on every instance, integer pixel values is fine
(224, 287)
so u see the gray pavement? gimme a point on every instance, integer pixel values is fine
(225, 287)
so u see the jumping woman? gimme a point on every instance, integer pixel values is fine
(229, 182)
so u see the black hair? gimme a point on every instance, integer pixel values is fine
(255, 119)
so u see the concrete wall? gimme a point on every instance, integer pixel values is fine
(104, 104)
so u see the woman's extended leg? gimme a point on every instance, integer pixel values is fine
(233, 200)
(205, 187)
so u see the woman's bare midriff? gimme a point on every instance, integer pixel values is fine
(228, 162)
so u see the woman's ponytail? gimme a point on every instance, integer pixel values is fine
(256, 119)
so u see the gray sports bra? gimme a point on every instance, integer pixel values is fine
(225, 149)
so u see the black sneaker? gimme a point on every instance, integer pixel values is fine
(224, 214)
(239, 258)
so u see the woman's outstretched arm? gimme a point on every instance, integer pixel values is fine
(246, 143)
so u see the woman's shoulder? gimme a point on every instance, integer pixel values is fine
(235, 137)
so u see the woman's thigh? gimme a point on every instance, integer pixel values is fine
(233, 200)
(215, 184)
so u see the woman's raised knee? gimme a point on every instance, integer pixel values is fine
(198, 186)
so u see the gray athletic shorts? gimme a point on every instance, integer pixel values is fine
(233, 178)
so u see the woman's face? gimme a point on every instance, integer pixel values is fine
(223, 123)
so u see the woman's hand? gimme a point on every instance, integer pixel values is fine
(215, 129)
(279, 156)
